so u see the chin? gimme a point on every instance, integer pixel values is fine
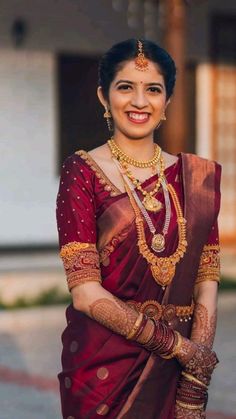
(138, 134)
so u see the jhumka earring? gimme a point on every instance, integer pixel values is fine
(107, 116)
(141, 63)
(163, 118)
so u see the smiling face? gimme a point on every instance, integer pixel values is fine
(137, 100)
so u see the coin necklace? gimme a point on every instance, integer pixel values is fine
(158, 239)
(150, 202)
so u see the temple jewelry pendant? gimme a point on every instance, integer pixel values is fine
(163, 274)
(158, 243)
(152, 204)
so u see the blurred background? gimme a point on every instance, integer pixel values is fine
(49, 53)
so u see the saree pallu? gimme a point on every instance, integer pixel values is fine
(104, 374)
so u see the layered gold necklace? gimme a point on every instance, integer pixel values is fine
(149, 201)
(162, 268)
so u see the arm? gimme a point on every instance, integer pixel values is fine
(205, 314)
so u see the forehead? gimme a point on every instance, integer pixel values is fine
(129, 72)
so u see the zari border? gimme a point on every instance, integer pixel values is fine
(209, 271)
(81, 263)
(109, 248)
(81, 277)
(103, 179)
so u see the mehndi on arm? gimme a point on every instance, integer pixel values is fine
(154, 336)
(203, 333)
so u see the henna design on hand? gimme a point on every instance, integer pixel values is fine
(203, 329)
(197, 360)
(202, 364)
(114, 314)
(182, 413)
(186, 352)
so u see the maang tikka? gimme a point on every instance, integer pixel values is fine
(141, 62)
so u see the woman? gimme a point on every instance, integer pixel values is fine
(139, 242)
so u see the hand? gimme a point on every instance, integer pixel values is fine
(197, 360)
(182, 413)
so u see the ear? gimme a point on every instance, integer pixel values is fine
(167, 103)
(101, 97)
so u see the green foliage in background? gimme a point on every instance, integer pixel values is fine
(53, 296)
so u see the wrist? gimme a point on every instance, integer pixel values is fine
(191, 393)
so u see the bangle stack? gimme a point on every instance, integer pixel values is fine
(177, 346)
(191, 393)
(163, 340)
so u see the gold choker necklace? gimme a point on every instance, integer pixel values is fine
(123, 157)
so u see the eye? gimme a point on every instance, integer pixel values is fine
(124, 87)
(155, 89)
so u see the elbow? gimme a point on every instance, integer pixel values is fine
(83, 295)
(78, 301)
(77, 304)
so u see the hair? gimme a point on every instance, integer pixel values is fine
(113, 60)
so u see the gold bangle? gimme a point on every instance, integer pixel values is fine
(150, 335)
(177, 347)
(193, 379)
(136, 326)
(189, 406)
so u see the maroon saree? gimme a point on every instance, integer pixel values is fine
(103, 374)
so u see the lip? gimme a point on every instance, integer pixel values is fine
(138, 121)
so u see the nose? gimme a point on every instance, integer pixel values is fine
(139, 99)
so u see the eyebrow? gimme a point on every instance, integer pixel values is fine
(147, 84)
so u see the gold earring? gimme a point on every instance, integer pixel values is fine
(107, 116)
(163, 118)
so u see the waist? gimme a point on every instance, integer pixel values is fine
(165, 312)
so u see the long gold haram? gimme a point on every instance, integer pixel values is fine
(121, 155)
(162, 268)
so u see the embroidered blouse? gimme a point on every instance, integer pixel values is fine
(83, 195)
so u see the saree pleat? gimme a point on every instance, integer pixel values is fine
(138, 384)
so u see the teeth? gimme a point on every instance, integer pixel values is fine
(138, 116)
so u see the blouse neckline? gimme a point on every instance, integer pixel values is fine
(103, 178)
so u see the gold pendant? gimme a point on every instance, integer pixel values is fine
(152, 204)
(163, 274)
(158, 243)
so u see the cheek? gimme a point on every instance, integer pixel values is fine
(117, 101)
(159, 103)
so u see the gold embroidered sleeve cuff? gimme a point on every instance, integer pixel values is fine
(81, 263)
(209, 267)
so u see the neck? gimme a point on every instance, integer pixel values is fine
(139, 149)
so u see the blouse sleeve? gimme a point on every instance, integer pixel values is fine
(76, 223)
(209, 266)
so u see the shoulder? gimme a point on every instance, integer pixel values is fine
(200, 161)
(169, 159)
(76, 170)
(100, 154)
(77, 162)
(203, 168)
